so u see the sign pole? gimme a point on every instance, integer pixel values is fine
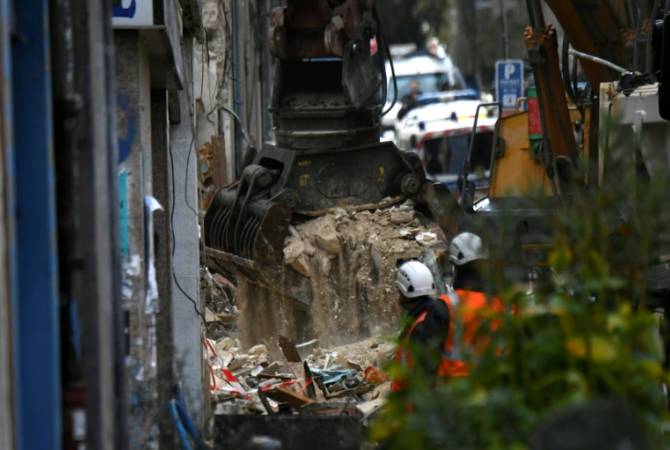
(503, 18)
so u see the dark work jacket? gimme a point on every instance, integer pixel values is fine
(431, 333)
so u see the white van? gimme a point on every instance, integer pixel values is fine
(431, 73)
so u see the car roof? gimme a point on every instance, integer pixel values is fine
(421, 64)
(447, 96)
(445, 109)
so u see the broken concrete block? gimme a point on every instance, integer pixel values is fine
(258, 350)
(296, 256)
(302, 266)
(226, 343)
(400, 216)
(293, 249)
(326, 237)
(324, 264)
(426, 238)
(309, 249)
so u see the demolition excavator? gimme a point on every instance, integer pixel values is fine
(328, 97)
(329, 91)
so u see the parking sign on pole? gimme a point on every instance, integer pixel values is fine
(509, 82)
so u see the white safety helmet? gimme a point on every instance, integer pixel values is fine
(414, 279)
(465, 248)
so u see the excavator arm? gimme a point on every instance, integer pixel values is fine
(327, 104)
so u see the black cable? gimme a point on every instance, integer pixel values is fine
(229, 35)
(186, 177)
(387, 50)
(174, 240)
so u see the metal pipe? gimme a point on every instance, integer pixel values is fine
(237, 102)
(535, 14)
(600, 61)
(638, 33)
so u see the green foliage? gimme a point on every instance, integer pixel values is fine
(585, 332)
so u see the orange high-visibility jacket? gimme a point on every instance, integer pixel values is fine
(465, 315)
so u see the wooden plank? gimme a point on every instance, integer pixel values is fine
(286, 395)
(289, 349)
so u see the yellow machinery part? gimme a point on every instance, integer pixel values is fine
(516, 173)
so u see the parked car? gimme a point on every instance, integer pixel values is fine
(440, 133)
(432, 75)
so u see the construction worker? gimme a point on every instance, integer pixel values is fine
(410, 100)
(469, 304)
(428, 326)
(449, 324)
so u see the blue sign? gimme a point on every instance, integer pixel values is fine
(133, 14)
(128, 10)
(509, 82)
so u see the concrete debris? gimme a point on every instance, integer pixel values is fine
(295, 256)
(258, 350)
(338, 277)
(401, 216)
(226, 343)
(248, 383)
(426, 238)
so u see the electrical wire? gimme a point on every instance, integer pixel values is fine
(387, 50)
(186, 177)
(245, 134)
(173, 251)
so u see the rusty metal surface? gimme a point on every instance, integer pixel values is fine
(321, 101)
(559, 135)
(602, 28)
(251, 219)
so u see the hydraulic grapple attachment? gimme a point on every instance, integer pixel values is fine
(250, 220)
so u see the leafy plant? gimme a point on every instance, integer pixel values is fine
(588, 331)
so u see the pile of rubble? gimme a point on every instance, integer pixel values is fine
(279, 380)
(340, 271)
(218, 294)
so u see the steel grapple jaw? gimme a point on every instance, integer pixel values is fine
(244, 223)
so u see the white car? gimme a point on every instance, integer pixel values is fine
(440, 134)
(432, 75)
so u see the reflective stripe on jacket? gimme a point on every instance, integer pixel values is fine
(465, 316)
(466, 311)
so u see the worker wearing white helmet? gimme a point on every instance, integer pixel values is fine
(428, 326)
(470, 303)
(469, 256)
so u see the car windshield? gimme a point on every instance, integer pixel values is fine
(428, 82)
(446, 156)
